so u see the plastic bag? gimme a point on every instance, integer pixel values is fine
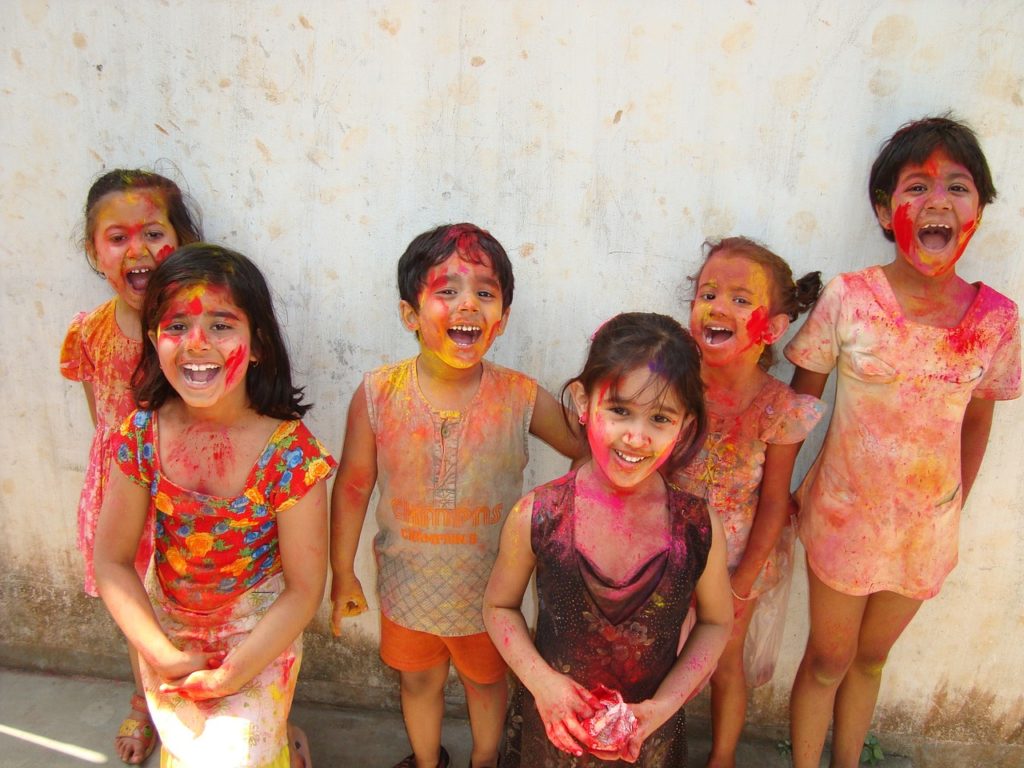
(764, 635)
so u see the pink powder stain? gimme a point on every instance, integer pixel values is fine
(757, 326)
(903, 228)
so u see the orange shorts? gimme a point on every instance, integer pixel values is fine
(409, 650)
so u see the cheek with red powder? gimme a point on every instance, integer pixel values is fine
(757, 326)
(965, 236)
(163, 253)
(234, 364)
(903, 228)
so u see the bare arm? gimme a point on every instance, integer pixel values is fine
(302, 537)
(561, 701)
(974, 440)
(773, 509)
(357, 474)
(549, 424)
(700, 654)
(807, 382)
(122, 520)
(90, 398)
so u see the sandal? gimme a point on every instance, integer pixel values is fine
(137, 729)
(298, 746)
(410, 762)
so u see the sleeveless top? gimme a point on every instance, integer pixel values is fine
(621, 635)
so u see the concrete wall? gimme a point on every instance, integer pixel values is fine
(601, 142)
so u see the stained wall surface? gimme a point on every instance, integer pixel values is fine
(600, 142)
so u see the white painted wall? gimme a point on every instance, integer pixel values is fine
(601, 142)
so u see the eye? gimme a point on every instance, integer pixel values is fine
(660, 418)
(917, 188)
(619, 410)
(117, 238)
(707, 296)
(220, 326)
(741, 300)
(155, 234)
(486, 294)
(175, 327)
(960, 188)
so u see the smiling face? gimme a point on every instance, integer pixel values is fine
(132, 234)
(632, 426)
(203, 341)
(933, 212)
(460, 312)
(731, 315)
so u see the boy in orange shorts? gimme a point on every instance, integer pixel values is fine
(444, 437)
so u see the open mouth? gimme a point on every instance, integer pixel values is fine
(464, 335)
(199, 373)
(138, 278)
(935, 237)
(714, 334)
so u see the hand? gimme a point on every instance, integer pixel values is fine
(741, 600)
(562, 703)
(184, 663)
(650, 716)
(347, 600)
(214, 683)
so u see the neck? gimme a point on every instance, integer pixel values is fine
(735, 383)
(128, 319)
(221, 416)
(594, 485)
(904, 278)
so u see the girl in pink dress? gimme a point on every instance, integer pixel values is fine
(133, 219)
(619, 553)
(921, 356)
(746, 297)
(235, 479)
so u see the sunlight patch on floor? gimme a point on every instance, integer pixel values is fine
(87, 755)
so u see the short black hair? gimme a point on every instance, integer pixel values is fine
(431, 248)
(914, 143)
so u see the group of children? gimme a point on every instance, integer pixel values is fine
(650, 555)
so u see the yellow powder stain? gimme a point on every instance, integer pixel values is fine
(263, 150)
(893, 36)
(224, 82)
(80, 41)
(67, 99)
(274, 231)
(527, 249)
(355, 138)
(161, 129)
(305, 22)
(618, 116)
(391, 26)
(477, 61)
(16, 56)
(740, 37)
(39, 309)
(8, 486)
(883, 83)
(804, 225)
(523, 54)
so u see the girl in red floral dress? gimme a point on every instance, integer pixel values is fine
(236, 481)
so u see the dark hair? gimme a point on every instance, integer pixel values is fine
(268, 382)
(475, 245)
(660, 344)
(789, 297)
(914, 143)
(181, 211)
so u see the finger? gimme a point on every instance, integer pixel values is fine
(558, 736)
(336, 615)
(577, 732)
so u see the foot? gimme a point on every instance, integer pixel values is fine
(137, 737)
(298, 747)
(410, 761)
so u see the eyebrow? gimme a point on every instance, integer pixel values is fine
(661, 407)
(715, 286)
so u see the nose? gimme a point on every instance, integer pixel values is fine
(137, 246)
(468, 300)
(196, 338)
(939, 197)
(635, 436)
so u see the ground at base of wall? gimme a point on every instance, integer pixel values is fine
(51, 721)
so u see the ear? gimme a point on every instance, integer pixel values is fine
(884, 216)
(579, 399)
(503, 323)
(777, 327)
(410, 317)
(256, 348)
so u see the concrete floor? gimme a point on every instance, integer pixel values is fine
(47, 721)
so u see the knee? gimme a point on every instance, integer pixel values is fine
(870, 664)
(424, 682)
(827, 667)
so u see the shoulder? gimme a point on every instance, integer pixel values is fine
(390, 377)
(787, 417)
(991, 303)
(514, 386)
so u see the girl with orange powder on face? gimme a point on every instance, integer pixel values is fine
(745, 299)
(921, 355)
(133, 220)
(619, 553)
(444, 437)
(218, 451)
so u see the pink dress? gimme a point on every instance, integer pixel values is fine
(218, 571)
(96, 350)
(728, 470)
(880, 508)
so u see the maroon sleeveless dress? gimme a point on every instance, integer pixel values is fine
(599, 632)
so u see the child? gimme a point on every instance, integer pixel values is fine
(618, 553)
(133, 219)
(745, 300)
(921, 356)
(444, 434)
(241, 515)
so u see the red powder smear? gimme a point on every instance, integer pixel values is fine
(757, 326)
(195, 306)
(164, 252)
(903, 228)
(613, 722)
(964, 338)
(286, 668)
(965, 237)
(234, 363)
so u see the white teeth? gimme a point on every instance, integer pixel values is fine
(200, 366)
(630, 459)
(139, 271)
(465, 328)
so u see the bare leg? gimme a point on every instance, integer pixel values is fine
(729, 694)
(831, 647)
(423, 710)
(486, 704)
(886, 616)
